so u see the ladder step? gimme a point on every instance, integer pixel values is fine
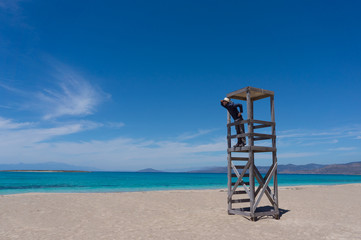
(261, 138)
(241, 200)
(239, 158)
(239, 167)
(247, 183)
(239, 192)
(245, 175)
(261, 126)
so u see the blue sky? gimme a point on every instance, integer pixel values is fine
(124, 85)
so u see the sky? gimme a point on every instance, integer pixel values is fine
(126, 85)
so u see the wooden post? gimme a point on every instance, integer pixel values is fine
(274, 157)
(229, 160)
(251, 153)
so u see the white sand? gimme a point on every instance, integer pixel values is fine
(314, 212)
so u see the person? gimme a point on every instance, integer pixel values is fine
(237, 116)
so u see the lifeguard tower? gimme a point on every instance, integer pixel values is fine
(242, 171)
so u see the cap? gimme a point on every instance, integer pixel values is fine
(226, 99)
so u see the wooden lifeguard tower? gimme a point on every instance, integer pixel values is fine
(242, 172)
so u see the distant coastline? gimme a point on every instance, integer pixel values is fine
(352, 168)
(42, 171)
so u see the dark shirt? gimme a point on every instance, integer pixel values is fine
(232, 109)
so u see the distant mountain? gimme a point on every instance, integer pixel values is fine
(353, 168)
(149, 170)
(45, 166)
(292, 168)
(348, 168)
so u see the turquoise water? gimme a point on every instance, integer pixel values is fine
(23, 182)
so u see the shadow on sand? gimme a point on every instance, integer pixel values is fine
(266, 209)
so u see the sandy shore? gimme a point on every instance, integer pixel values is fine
(311, 212)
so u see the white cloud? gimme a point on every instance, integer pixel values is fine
(71, 94)
(28, 143)
(310, 137)
(17, 136)
(343, 149)
(188, 135)
(75, 96)
(32, 145)
(287, 155)
(10, 124)
(313, 143)
(358, 137)
(298, 154)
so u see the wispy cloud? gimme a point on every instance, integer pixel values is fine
(308, 137)
(320, 142)
(343, 149)
(74, 96)
(69, 94)
(298, 154)
(10, 124)
(32, 144)
(188, 135)
(20, 134)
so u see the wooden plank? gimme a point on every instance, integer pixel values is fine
(238, 94)
(260, 90)
(262, 149)
(260, 138)
(260, 126)
(239, 158)
(239, 192)
(251, 148)
(260, 97)
(245, 175)
(239, 167)
(268, 136)
(264, 135)
(246, 183)
(270, 123)
(235, 169)
(230, 124)
(255, 93)
(239, 135)
(241, 200)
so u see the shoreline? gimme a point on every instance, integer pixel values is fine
(180, 190)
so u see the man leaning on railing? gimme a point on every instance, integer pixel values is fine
(237, 116)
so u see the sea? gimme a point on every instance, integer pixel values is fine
(88, 182)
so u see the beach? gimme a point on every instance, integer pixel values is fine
(309, 212)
